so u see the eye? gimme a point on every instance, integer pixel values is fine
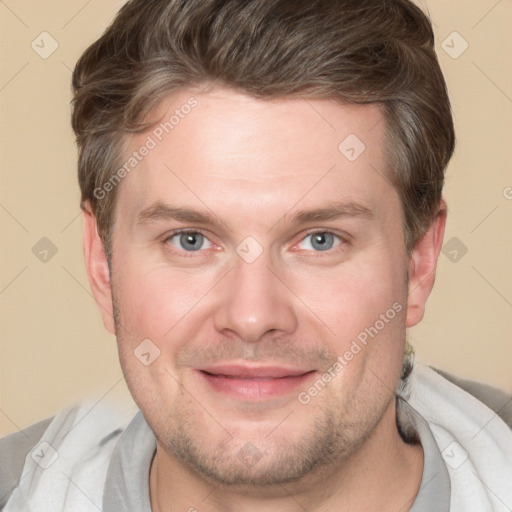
(190, 241)
(319, 241)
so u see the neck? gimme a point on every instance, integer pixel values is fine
(383, 473)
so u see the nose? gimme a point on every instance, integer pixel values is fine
(254, 301)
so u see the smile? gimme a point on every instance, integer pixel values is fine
(261, 383)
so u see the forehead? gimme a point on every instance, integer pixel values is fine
(233, 150)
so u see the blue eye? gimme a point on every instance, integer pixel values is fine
(189, 241)
(321, 241)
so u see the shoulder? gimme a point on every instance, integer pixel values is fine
(496, 399)
(81, 437)
(13, 451)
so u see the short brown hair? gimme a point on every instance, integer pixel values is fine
(356, 51)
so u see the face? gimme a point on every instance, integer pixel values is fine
(263, 263)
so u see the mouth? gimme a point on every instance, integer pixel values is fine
(254, 383)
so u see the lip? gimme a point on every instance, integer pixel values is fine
(252, 372)
(254, 382)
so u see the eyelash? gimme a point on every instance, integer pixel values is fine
(344, 240)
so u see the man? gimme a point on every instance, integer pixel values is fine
(261, 185)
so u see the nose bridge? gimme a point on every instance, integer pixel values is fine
(254, 301)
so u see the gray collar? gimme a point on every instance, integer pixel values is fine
(127, 483)
(435, 489)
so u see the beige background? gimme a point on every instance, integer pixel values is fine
(54, 349)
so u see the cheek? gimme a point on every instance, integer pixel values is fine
(153, 303)
(153, 308)
(364, 306)
(352, 297)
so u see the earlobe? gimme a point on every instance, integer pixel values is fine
(97, 268)
(422, 267)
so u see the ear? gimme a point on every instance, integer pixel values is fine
(422, 267)
(97, 268)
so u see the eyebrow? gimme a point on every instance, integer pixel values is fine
(160, 211)
(333, 211)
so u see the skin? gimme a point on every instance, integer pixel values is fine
(253, 165)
